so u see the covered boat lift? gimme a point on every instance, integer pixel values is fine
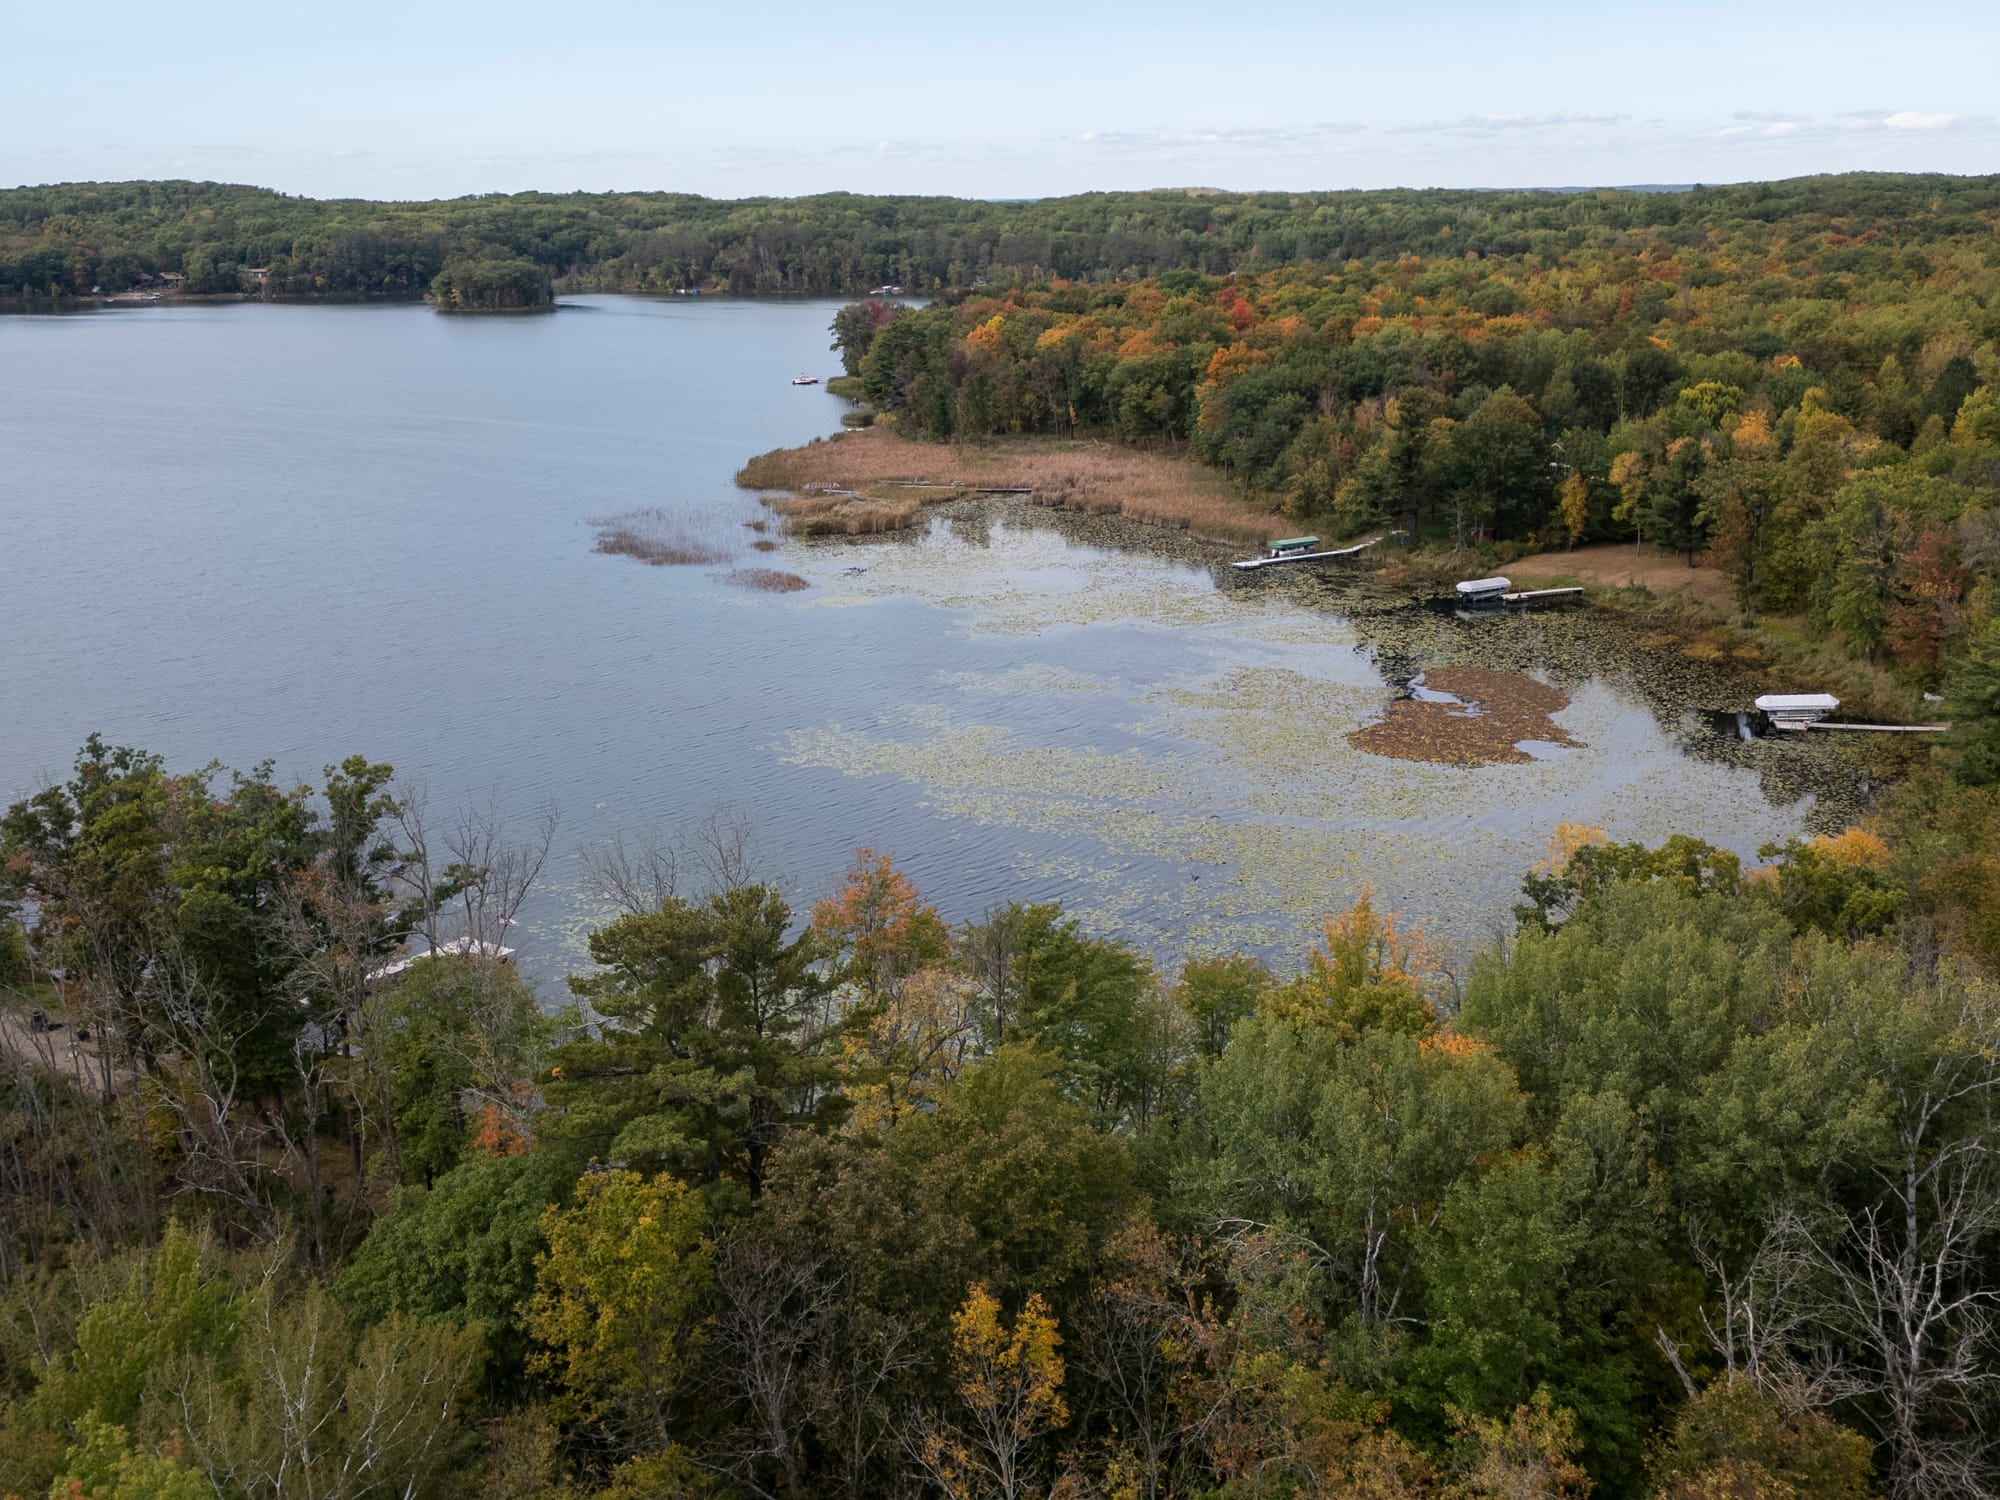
(1484, 590)
(1796, 710)
(1301, 549)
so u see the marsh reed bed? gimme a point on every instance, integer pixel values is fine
(867, 468)
(821, 511)
(664, 537)
(765, 580)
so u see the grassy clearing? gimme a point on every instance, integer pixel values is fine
(766, 580)
(662, 537)
(1621, 565)
(1095, 478)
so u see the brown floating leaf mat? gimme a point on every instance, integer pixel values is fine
(1495, 712)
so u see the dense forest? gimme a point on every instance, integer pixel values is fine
(64, 240)
(1690, 1188)
(1812, 402)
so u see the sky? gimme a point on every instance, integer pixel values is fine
(1024, 99)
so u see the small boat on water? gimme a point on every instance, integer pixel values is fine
(805, 380)
(1483, 590)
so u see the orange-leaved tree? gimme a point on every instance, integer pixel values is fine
(910, 1017)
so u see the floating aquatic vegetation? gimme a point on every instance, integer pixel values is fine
(1031, 677)
(1469, 716)
(663, 536)
(765, 580)
(1170, 751)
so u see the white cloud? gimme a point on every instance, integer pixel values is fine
(1252, 138)
(1500, 124)
(1909, 119)
(1763, 125)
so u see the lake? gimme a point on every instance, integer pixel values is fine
(241, 532)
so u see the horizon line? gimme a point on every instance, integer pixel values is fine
(1199, 190)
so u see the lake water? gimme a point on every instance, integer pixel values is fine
(245, 532)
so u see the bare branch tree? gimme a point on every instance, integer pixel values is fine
(640, 876)
(809, 1369)
(494, 876)
(725, 846)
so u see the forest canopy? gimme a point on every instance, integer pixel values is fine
(65, 239)
(1810, 402)
(1691, 1187)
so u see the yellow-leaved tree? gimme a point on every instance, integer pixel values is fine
(1629, 472)
(1575, 506)
(1529, 1456)
(1368, 975)
(1009, 1383)
(617, 1295)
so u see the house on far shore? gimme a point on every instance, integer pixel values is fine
(171, 278)
(258, 274)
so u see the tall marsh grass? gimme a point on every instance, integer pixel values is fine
(1095, 478)
(840, 513)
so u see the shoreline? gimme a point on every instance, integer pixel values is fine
(79, 301)
(890, 484)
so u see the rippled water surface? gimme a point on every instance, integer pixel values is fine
(243, 532)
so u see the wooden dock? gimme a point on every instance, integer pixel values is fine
(1527, 598)
(970, 489)
(1882, 728)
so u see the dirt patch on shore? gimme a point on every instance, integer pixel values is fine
(1469, 716)
(55, 1050)
(1620, 565)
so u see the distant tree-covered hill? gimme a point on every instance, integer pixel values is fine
(65, 239)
